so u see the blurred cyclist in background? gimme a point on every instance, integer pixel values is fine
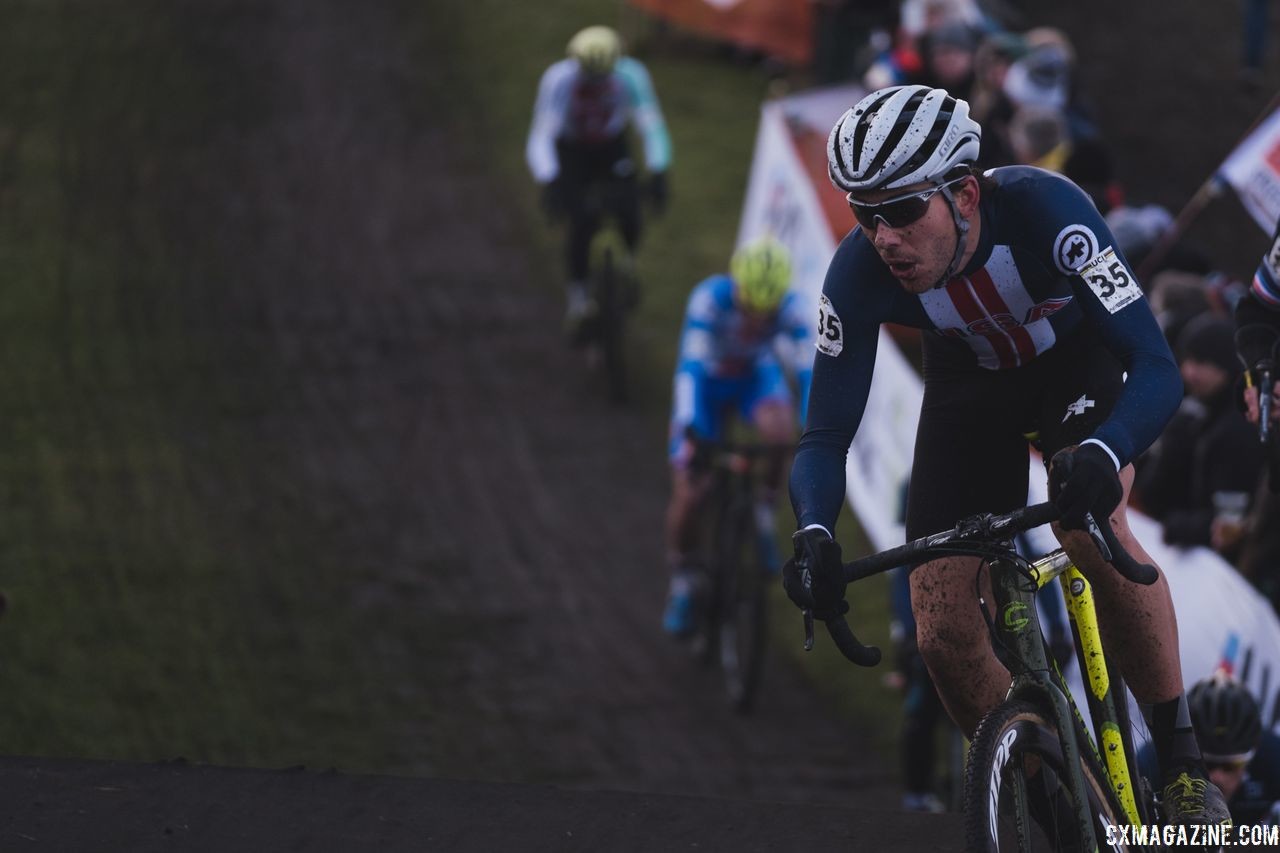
(587, 104)
(735, 325)
(1257, 317)
(1260, 309)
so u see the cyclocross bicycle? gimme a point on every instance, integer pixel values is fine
(740, 560)
(1036, 777)
(613, 287)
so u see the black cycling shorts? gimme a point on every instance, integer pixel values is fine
(975, 425)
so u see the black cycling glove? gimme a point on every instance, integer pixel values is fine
(1083, 481)
(814, 576)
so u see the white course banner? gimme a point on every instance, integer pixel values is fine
(1253, 171)
(782, 200)
(1222, 620)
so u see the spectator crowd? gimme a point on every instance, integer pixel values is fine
(1205, 480)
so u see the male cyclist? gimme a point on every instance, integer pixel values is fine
(1242, 759)
(586, 105)
(1257, 332)
(1032, 320)
(1260, 307)
(735, 325)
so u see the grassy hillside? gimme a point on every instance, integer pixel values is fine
(162, 595)
(163, 573)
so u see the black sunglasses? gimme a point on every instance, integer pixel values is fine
(896, 212)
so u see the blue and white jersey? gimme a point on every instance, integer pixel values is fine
(1045, 263)
(720, 341)
(588, 109)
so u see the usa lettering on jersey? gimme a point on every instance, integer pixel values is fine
(1110, 281)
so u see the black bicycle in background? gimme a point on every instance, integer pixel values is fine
(1258, 345)
(614, 289)
(739, 560)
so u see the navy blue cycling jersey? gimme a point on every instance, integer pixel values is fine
(1045, 264)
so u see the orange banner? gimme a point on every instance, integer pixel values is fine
(780, 28)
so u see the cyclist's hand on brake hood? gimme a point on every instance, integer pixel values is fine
(1084, 480)
(814, 576)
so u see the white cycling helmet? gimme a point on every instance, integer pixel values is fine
(899, 136)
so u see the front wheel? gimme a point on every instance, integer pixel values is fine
(1017, 796)
(612, 314)
(741, 606)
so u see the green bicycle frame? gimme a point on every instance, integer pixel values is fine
(1017, 628)
(1100, 692)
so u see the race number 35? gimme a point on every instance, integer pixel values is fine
(830, 331)
(1110, 281)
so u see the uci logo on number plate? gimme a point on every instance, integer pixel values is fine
(1110, 281)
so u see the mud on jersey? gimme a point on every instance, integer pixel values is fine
(1045, 264)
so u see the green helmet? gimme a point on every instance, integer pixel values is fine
(596, 48)
(761, 271)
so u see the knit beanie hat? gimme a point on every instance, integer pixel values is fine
(1210, 339)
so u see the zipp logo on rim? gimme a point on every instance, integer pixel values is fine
(1003, 751)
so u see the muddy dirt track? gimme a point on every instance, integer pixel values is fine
(450, 428)
(435, 416)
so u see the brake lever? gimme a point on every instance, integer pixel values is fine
(1098, 539)
(847, 643)
(1104, 536)
(841, 634)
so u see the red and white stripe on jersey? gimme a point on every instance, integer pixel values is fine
(993, 312)
(1265, 290)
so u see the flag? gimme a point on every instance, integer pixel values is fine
(1253, 171)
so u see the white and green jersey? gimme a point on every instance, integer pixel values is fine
(588, 110)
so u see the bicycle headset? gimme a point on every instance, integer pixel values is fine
(904, 135)
(761, 271)
(1225, 717)
(596, 49)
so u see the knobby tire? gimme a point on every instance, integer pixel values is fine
(741, 604)
(612, 313)
(1014, 743)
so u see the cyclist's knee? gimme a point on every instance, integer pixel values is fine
(688, 487)
(952, 651)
